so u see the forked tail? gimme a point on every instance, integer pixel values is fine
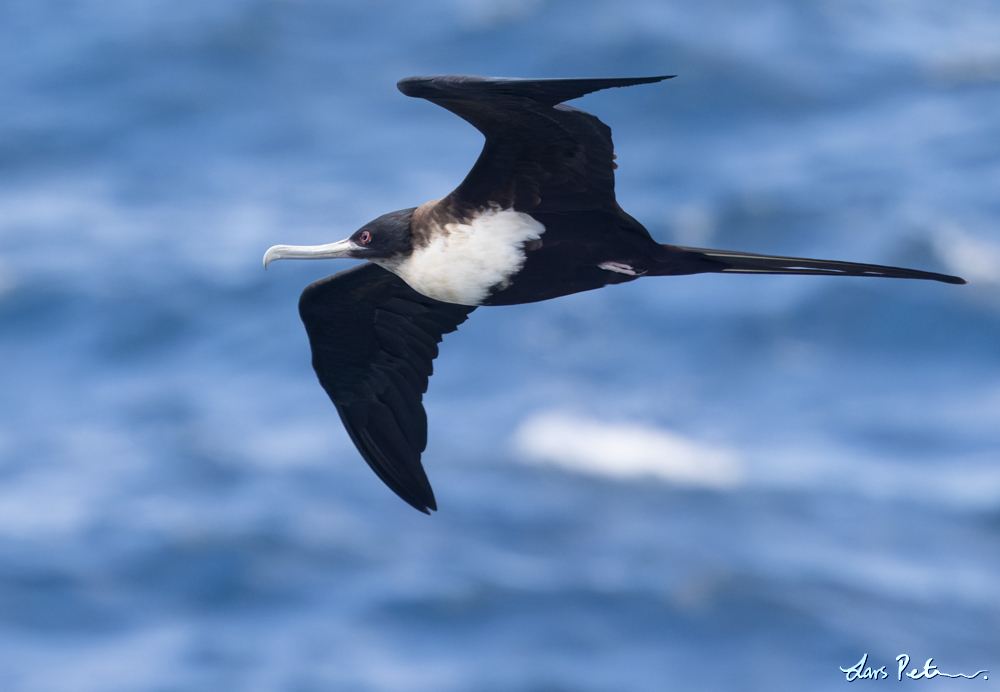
(750, 263)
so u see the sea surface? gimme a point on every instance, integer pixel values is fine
(692, 483)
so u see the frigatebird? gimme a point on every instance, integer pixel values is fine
(536, 218)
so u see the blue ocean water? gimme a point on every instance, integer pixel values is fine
(790, 472)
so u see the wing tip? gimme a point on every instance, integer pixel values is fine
(418, 495)
(420, 501)
(425, 509)
(424, 86)
(544, 90)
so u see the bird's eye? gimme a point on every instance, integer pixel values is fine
(366, 237)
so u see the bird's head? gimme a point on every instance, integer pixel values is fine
(387, 238)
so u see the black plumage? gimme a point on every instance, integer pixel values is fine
(536, 217)
(540, 155)
(373, 339)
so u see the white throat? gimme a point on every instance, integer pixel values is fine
(462, 262)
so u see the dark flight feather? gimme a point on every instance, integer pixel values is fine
(373, 340)
(539, 155)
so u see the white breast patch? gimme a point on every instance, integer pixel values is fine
(463, 262)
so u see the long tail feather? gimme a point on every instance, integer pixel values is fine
(750, 263)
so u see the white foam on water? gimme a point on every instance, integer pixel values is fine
(973, 258)
(625, 450)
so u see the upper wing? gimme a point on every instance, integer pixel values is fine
(373, 339)
(540, 155)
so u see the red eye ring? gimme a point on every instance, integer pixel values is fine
(366, 237)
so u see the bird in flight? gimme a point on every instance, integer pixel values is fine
(536, 218)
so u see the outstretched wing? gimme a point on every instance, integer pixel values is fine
(540, 155)
(373, 340)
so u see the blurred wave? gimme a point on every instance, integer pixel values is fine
(624, 451)
(736, 482)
